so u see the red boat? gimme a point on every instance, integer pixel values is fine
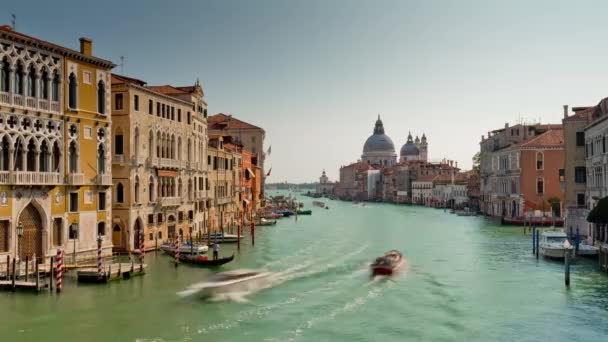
(388, 264)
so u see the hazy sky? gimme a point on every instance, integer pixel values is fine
(315, 74)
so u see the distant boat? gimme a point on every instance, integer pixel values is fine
(202, 260)
(224, 238)
(265, 222)
(388, 264)
(554, 244)
(304, 212)
(184, 248)
(318, 204)
(230, 282)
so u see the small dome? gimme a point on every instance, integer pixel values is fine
(379, 142)
(409, 149)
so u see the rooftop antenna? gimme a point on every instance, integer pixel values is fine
(14, 21)
(122, 65)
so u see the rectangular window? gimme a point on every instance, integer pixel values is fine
(151, 236)
(562, 174)
(580, 138)
(160, 235)
(87, 77)
(162, 110)
(188, 118)
(118, 144)
(150, 219)
(172, 113)
(580, 174)
(604, 144)
(150, 107)
(118, 102)
(73, 202)
(88, 132)
(179, 115)
(101, 201)
(157, 108)
(580, 199)
(136, 102)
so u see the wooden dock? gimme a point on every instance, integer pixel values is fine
(19, 279)
(110, 272)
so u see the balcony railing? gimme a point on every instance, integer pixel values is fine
(171, 201)
(28, 102)
(34, 177)
(118, 159)
(103, 179)
(4, 177)
(223, 200)
(169, 163)
(75, 179)
(140, 160)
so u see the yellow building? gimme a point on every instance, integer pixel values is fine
(225, 173)
(54, 162)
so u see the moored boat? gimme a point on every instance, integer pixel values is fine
(318, 204)
(224, 238)
(265, 222)
(203, 260)
(388, 264)
(554, 244)
(304, 212)
(587, 250)
(185, 248)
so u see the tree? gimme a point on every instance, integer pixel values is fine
(476, 161)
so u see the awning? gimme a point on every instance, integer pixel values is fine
(166, 173)
(251, 173)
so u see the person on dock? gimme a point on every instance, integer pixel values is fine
(216, 249)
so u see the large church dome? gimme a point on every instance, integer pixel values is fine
(409, 149)
(379, 142)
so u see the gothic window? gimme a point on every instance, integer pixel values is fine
(539, 161)
(151, 145)
(44, 85)
(4, 154)
(120, 193)
(43, 163)
(31, 156)
(158, 144)
(18, 89)
(179, 148)
(4, 75)
(179, 188)
(72, 91)
(540, 186)
(73, 151)
(31, 82)
(101, 97)
(55, 87)
(136, 189)
(101, 160)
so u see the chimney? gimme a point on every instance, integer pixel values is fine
(456, 164)
(86, 46)
(506, 125)
(483, 137)
(565, 111)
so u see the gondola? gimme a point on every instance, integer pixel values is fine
(202, 260)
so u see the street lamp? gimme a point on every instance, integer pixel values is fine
(19, 235)
(74, 238)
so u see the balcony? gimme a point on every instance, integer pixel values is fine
(168, 163)
(105, 180)
(201, 194)
(140, 160)
(118, 159)
(75, 179)
(37, 178)
(27, 102)
(170, 201)
(223, 200)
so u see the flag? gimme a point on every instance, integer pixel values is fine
(269, 149)
(269, 171)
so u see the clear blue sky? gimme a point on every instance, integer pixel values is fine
(315, 74)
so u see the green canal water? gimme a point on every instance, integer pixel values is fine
(466, 279)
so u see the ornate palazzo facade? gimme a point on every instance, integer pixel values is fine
(54, 151)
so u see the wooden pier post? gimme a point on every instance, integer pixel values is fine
(252, 233)
(59, 270)
(537, 242)
(142, 252)
(533, 240)
(567, 264)
(27, 271)
(14, 272)
(176, 254)
(37, 278)
(8, 267)
(238, 238)
(51, 274)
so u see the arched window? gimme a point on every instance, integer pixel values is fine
(151, 190)
(44, 85)
(158, 144)
(18, 89)
(101, 97)
(101, 228)
(4, 75)
(73, 151)
(73, 90)
(540, 186)
(56, 157)
(31, 81)
(136, 189)
(31, 156)
(55, 87)
(101, 160)
(19, 151)
(4, 154)
(43, 163)
(179, 148)
(120, 193)
(540, 161)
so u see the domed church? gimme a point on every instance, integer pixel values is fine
(379, 148)
(414, 149)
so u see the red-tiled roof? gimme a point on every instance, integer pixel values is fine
(167, 90)
(551, 138)
(51, 46)
(119, 79)
(222, 121)
(428, 178)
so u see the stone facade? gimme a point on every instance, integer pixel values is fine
(225, 174)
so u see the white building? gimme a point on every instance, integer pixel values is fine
(596, 148)
(422, 190)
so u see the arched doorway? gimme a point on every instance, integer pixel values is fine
(117, 236)
(31, 241)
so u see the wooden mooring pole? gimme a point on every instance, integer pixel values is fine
(537, 242)
(567, 264)
(51, 274)
(533, 241)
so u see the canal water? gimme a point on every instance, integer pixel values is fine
(466, 279)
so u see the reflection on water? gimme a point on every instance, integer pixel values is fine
(466, 279)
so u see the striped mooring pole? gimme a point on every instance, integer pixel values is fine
(177, 250)
(59, 269)
(99, 270)
(141, 251)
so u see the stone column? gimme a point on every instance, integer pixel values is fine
(11, 158)
(11, 83)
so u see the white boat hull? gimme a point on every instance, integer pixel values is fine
(553, 252)
(186, 249)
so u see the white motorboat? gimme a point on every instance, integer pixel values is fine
(224, 238)
(586, 250)
(318, 204)
(554, 244)
(236, 281)
(185, 248)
